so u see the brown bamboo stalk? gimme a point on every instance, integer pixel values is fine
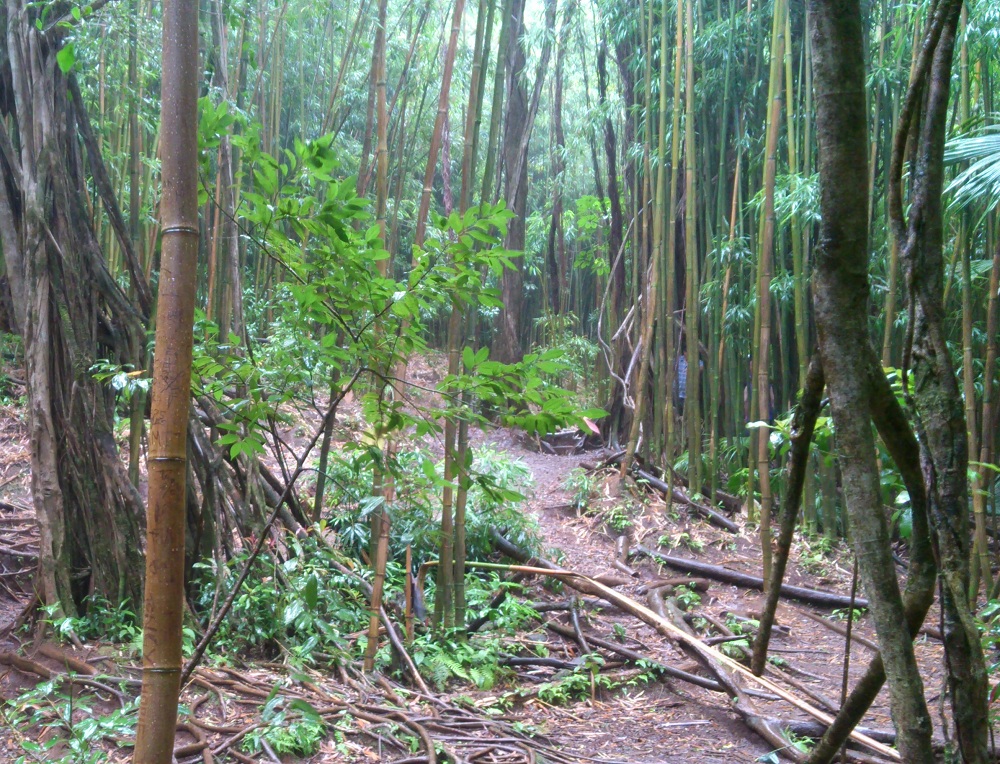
(164, 597)
(439, 120)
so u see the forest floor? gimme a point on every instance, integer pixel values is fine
(664, 720)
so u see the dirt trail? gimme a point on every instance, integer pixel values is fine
(664, 722)
(672, 721)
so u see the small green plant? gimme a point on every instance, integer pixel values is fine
(814, 557)
(576, 686)
(448, 656)
(681, 539)
(842, 614)
(511, 615)
(75, 732)
(741, 625)
(583, 487)
(562, 333)
(988, 621)
(494, 500)
(290, 727)
(123, 379)
(302, 605)
(800, 743)
(617, 517)
(735, 648)
(586, 680)
(687, 597)
(525, 728)
(100, 620)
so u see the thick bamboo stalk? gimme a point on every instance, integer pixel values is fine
(651, 292)
(164, 597)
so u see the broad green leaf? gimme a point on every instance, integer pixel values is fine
(66, 57)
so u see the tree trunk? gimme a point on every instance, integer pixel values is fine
(936, 399)
(841, 307)
(558, 265)
(616, 259)
(71, 313)
(520, 119)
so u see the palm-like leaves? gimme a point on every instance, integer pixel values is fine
(979, 183)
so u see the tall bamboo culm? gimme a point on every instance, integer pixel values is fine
(164, 596)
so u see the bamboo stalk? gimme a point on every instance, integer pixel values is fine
(164, 596)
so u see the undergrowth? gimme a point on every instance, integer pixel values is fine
(495, 495)
(585, 488)
(302, 603)
(70, 729)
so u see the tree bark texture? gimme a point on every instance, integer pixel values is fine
(71, 313)
(894, 429)
(617, 415)
(520, 120)
(508, 340)
(935, 397)
(840, 300)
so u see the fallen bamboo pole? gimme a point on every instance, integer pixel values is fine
(715, 518)
(725, 575)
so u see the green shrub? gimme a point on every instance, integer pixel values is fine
(304, 605)
(494, 500)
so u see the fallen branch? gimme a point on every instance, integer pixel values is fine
(4, 550)
(593, 603)
(67, 661)
(669, 584)
(729, 502)
(725, 575)
(715, 518)
(27, 666)
(528, 660)
(632, 655)
(816, 730)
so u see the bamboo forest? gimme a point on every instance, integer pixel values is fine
(499, 381)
